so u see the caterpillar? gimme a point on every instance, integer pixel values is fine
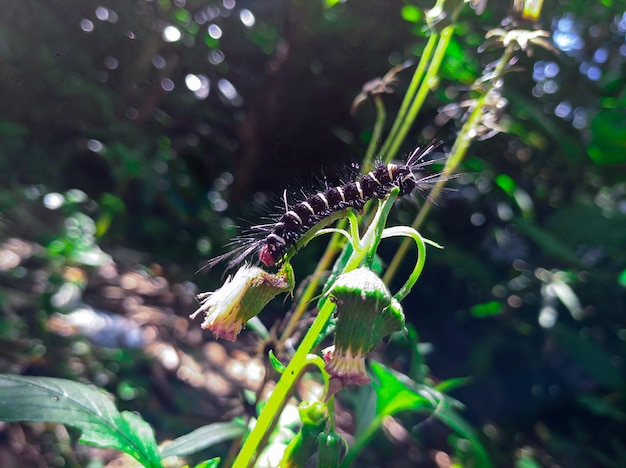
(279, 236)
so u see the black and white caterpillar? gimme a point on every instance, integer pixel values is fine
(270, 242)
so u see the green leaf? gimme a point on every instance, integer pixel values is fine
(331, 3)
(621, 279)
(526, 462)
(506, 183)
(396, 393)
(419, 370)
(590, 355)
(451, 384)
(212, 463)
(411, 13)
(275, 362)
(393, 392)
(459, 63)
(547, 241)
(585, 223)
(45, 399)
(446, 414)
(203, 437)
(608, 137)
(601, 406)
(488, 309)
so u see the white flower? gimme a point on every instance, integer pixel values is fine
(240, 298)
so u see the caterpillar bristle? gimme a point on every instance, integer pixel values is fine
(420, 152)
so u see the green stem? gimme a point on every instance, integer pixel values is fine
(421, 257)
(372, 240)
(381, 115)
(330, 404)
(409, 95)
(317, 361)
(457, 153)
(429, 82)
(331, 251)
(309, 291)
(280, 394)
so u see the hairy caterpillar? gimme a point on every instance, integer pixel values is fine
(270, 242)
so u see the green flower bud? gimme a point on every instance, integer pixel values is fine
(329, 445)
(242, 297)
(312, 413)
(366, 313)
(303, 446)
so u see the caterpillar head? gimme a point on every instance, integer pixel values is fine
(269, 255)
(407, 184)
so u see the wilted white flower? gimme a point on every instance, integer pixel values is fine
(240, 298)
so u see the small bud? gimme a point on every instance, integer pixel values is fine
(366, 314)
(242, 297)
(329, 446)
(313, 416)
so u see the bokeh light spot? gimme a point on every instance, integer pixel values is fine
(95, 146)
(216, 57)
(111, 63)
(171, 34)
(215, 31)
(86, 25)
(193, 82)
(227, 89)
(247, 18)
(53, 200)
(102, 13)
(167, 84)
(158, 62)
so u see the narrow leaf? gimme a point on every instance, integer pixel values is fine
(203, 437)
(275, 362)
(212, 463)
(487, 309)
(590, 354)
(46, 399)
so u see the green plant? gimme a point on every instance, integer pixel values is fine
(394, 393)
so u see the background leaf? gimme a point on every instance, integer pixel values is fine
(397, 393)
(203, 437)
(46, 399)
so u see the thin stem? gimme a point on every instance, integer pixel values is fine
(457, 153)
(409, 95)
(279, 396)
(429, 82)
(330, 404)
(379, 222)
(381, 115)
(362, 441)
(317, 361)
(368, 244)
(309, 291)
(421, 257)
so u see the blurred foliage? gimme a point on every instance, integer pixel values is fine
(146, 129)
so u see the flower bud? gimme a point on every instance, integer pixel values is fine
(313, 416)
(329, 446)
(242, 297)
(366, 313)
